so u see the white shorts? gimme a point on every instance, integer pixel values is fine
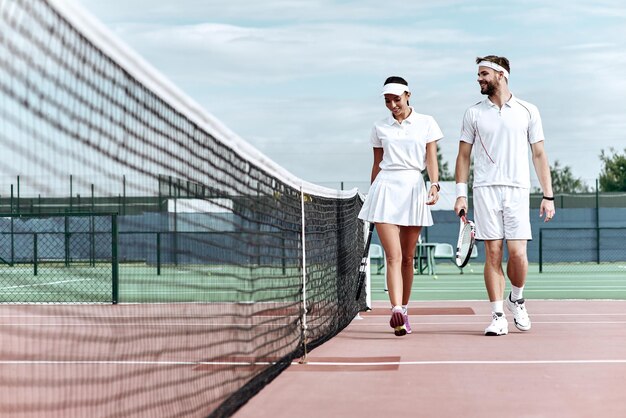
(502, 212)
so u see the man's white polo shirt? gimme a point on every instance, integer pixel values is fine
(501, 137)
(404, 144)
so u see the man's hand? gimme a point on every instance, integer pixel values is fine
(461, 203)
(547, 209)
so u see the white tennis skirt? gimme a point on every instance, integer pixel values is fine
(397, 197)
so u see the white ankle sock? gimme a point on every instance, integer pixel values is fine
(396, 308)
(516, 293)
(497, 306)
(404, 309)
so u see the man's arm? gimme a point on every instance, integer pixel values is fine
(461, 175)
(542, 168)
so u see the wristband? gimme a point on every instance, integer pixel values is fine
(436, 185)
(548, 198)
(461, 190)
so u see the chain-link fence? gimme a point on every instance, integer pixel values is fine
(58, 259)
(582, 249)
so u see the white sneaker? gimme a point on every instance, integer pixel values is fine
(520, 315)
(498, 326)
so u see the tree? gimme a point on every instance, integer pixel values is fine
(613, 175)
(563, 181)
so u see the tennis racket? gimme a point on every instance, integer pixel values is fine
(465, 244)
(363, 266)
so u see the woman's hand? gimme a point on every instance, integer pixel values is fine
(433, 194)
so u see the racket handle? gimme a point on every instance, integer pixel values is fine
(461, 213)
(360, 286)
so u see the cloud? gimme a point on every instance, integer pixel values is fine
(300, 80)
(251, 54)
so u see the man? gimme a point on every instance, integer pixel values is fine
(502, 127)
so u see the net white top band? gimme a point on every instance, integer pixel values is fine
(494, 66)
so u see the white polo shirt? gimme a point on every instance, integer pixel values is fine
(501, 138)
(404, 144)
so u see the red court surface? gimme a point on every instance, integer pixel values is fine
(571, 364)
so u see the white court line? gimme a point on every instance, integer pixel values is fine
(184, 324)
(446, 362)
(308, 363)
(360, 324)
(44, 284)
(282, 324)
(475, 315)
(533, 290)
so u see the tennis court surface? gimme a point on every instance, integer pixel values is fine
(571, 364)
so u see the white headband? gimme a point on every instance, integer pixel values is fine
(396, 89)
(494, 66)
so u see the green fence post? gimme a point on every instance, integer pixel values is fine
(12, 227)
(114, 260)
(35, 254)
(124, 194)
(158, 253)
(67, 241)
(18, 195)
(92, 225)
(71, 191)
(598, 221)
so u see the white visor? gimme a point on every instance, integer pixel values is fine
(494, 66)
(396, 89)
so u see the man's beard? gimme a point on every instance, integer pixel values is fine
(489, 90)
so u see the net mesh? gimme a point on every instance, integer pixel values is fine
(157, 265)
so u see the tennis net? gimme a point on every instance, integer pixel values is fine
(224, 270)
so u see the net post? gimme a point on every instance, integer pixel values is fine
(304, 284)
(114, 261)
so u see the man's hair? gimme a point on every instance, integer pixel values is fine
(397, 80)
(501, 61)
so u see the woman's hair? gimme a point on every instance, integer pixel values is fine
(396, 79)
(501, 61)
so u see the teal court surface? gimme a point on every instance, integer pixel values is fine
(557, 281)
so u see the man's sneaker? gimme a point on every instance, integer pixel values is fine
(520, 315)
(397, 323)
(407, 325)
(498, 326)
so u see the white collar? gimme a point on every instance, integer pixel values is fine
(391, 120)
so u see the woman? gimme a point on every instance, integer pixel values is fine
(405, 143)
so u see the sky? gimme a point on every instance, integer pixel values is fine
(301, 80)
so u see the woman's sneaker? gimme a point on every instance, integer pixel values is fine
(407, 325)
(520, 315)
(397, 322)
(498, 326)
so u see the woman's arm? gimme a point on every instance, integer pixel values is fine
(378, 157)
(432, 166)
